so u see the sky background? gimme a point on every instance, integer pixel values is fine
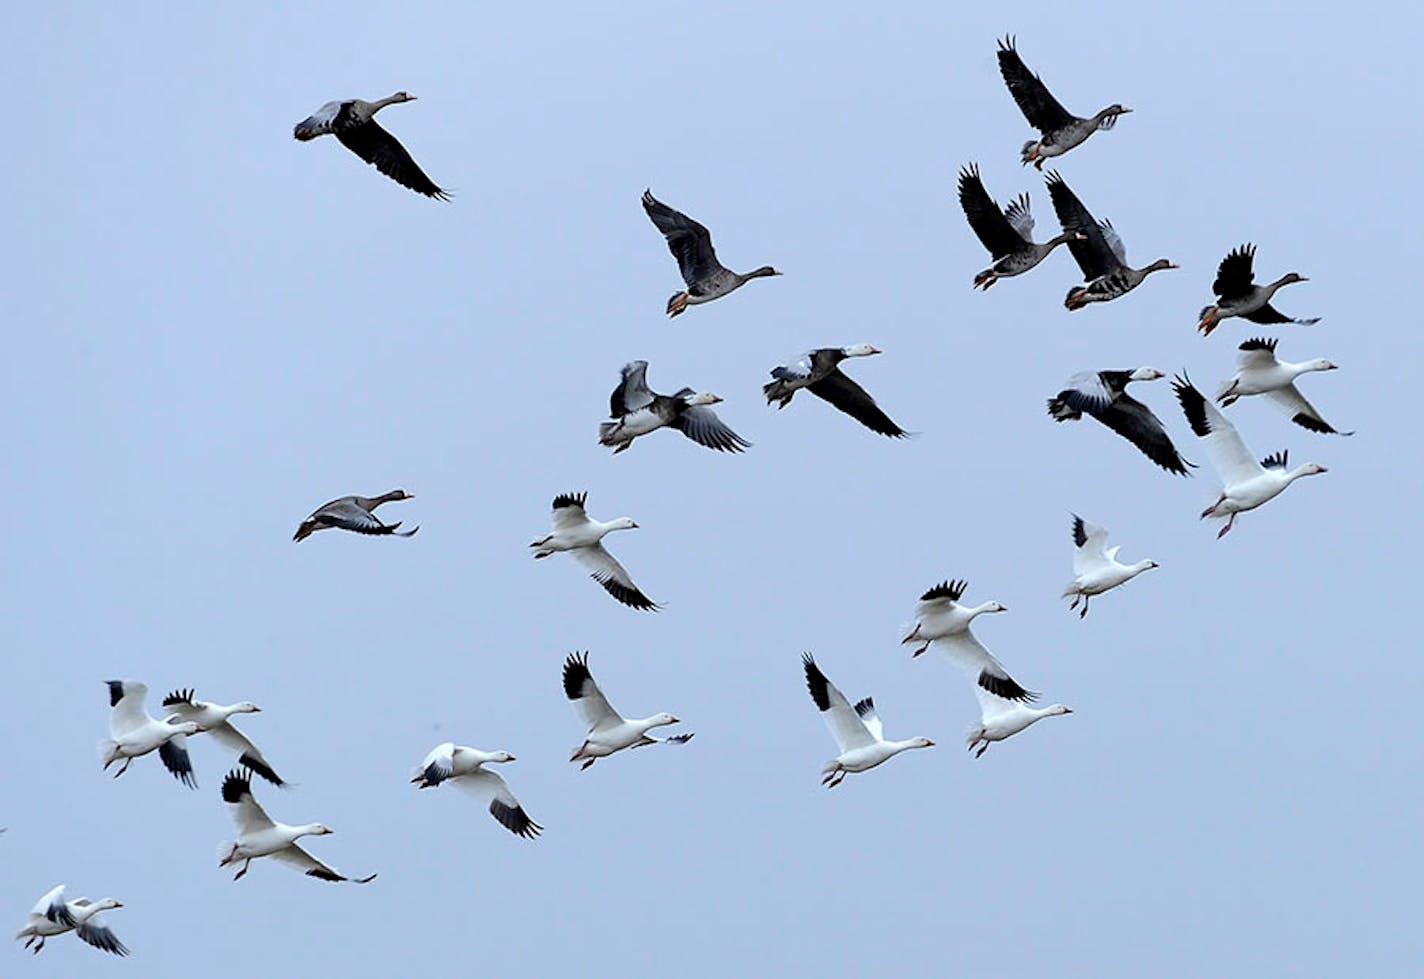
(213, 329)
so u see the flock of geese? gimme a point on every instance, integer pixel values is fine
(942, 618)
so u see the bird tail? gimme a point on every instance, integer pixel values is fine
(108, 751)
(305, 530)
(606, 431)
(1027, 154)
(1061, 412)
(1070, 589)
(777, 391)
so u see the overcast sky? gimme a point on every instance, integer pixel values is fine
(212, 329)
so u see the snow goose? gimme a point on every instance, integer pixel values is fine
(576, 532)
(353, 122)
(1246, 483)
(637, 410)
(464, 767)
(1262, 373)
(133, 732)
(1100, 252)
(1004, 232)
(1000, 719)
(1096, 568)
(258, 835)
(819, 372)
(691, 244)
(355, 513)
(857, 730)
(1238, 295)
(1103, 394)
(939, 618)
(216, 719)
(608, 731)
(53, 915)
(1060, 128)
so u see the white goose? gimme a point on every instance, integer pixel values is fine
(133, 733)
(608, 730)
(216, 719)
(941, 619)
(1262, 373)
(53, 915)
(1096, 568)
(857, 730)
(1000, 719)
(258, 835)
(1246, 483)
(465, 768)
(576, 532)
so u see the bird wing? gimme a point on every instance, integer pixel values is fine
(1135, 422)
(632, 392)
(174, 755)
(689, 242)
(569, 511)
(126, 699)
(1234, 277)
(490, 787)
(1257, 354)
(1020, 218)
(865, 709)
(294, 856)
(437, 766)
(248, 755)
(964, 650)
(1093, 253)
(247, 813)
(96, 933)
(1040, 108)
(1302, 412)
(1086, 392)
(613, 577)
(319, 123)
(1268, 315)
(1232, 459)
(851, 398)
(53, 907)
(384, 152)
(941, 596)
(701, 424)
(348, 515)
(846, 725)
(580, 687)
(1089, 542)
(1114, 240)
(994, 229)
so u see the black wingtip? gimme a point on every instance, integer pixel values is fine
(569, 499)
(235, 785)
(575, 673)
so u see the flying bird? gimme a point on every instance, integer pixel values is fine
(464, 768)
(819, 372)
(1001, 719)
(1238, 295)
(355, 513)
(134, 733)
(575, 532)
(1096, 568)
(939, 618)
(216, 720)
(1006, 233)
(258, 835)
(1100, 252)
(353, 122)
(1246, 483)
(1060, 129)
(53, 915)
(608, 730)
(637, 410)
(1262, 373)
(1103, 394)
(858, 731)
(691, 244)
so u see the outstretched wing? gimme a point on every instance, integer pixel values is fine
(1135, 422)
(689, 242)
(491, 788)
(384, 152)
(613, 577)
(1233, 460)
(701, 424)
(580, 687)
(968, 653)
(1095, 256)
(1234, 277)
(1089, 546)
(848, 396)
(1040, 108)
(632, 392)
(96, 933)
(990, 224)
(295, 856)
(846, 725)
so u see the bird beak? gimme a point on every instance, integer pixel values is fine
(716, 399)
(875, 350)
(256, 709)
(635, 524)
(1067, 710)
(1173, 265)
(1305, 278)
(677, 720)
(410, 496)
(931, 743)
(118, 904)
(1323, 469)
(512, 758)
(1126, 110)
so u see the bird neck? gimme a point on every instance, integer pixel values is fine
(380, 104)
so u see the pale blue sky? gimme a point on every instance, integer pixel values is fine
(213, 329)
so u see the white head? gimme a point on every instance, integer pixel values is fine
(1321, 364)
(1057, 709)
(107, 904)
(246, 707)
(623, 523)
(1147, 564)
(319, 829)
(1145, 374)
(859, 350)
(919, 743)
(662, 720)
(990, 607)
(501, 757)
(1311, 469)
(701, 398)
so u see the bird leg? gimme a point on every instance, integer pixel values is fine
(1229, 521)
(123, 768)
(39, 946)
(1038, 161)
(245, 864)
(677, 304)
(920, 650)
(584, 766)
(1084, 614)
(1077, 597)
(1208, 321)
(982, 748)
